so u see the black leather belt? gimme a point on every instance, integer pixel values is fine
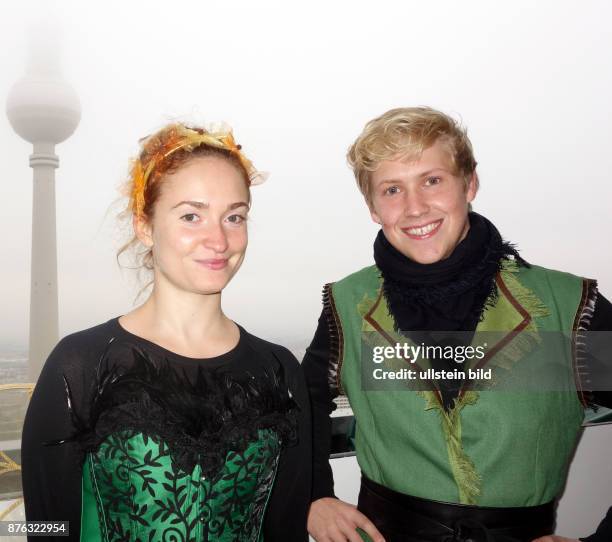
(404, 518)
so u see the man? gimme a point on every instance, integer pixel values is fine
(451, 461)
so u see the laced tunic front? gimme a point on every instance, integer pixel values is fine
(170, 448)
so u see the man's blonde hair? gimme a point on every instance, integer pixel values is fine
(405, 133)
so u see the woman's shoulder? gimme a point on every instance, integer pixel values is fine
(271, 350)
(291, 368)
(81, 348)
(72, 364)
(88, 340)
(97, 334)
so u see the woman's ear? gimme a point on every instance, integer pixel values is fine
(142, 229)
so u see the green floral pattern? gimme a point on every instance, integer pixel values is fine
(142, 495)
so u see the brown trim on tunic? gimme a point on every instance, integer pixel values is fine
(336, 338)
(511, 334)
(582, 322)
(372, 321)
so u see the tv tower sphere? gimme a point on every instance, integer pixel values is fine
(43, 109)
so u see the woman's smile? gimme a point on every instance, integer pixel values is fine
(213, 263)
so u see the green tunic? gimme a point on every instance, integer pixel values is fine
(498, 446)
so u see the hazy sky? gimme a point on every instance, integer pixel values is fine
(297, 81)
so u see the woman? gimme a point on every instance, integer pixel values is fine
(448, 459)
(172, 422)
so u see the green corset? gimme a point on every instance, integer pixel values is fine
(132, 490)
(172, 457)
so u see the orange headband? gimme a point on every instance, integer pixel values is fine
(182, 137)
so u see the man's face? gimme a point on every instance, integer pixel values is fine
(422, 205)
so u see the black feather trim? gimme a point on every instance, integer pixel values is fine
(200, 419)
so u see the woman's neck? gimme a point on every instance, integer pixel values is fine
(187, 323)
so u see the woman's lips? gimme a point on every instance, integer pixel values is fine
(424, 231)
(213, 263)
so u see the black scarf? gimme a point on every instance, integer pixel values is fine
(449, 295)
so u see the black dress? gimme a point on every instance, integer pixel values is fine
(107, 398)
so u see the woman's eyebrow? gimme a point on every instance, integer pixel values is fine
(196, 204)
(202, 205)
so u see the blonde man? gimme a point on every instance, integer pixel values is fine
(447, 460)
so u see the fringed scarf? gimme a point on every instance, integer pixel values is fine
(449, 295)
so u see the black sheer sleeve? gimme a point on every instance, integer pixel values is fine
(290, 499)
(316, 368)
(51, 475)
(601, 364)
(604, 531)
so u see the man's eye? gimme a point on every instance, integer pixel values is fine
(236, 219)
(392, 190)
(431, 181)
(190, 217)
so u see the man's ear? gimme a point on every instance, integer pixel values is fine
(374, 214)
(472, 187)
(142, 229)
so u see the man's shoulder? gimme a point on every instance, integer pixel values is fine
(553, 276)
(365, 276)
(565, 291)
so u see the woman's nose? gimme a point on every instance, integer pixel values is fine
(215, 238)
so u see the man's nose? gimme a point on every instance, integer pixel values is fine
(415, 203)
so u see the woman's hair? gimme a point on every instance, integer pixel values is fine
(405, 133)
(165, 152)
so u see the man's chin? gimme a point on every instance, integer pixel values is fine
(423, 260)
(423, 257)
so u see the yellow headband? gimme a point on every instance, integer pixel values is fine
(182, 137)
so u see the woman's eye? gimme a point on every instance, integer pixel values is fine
(236, 219)
(190, 217)
(392, 190)
(431, 181)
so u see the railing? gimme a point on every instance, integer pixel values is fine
(11, 421)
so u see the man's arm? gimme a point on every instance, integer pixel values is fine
(316, 367)
(329, 519)
(600, 363)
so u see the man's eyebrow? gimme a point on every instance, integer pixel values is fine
(433, 170)
(421, 174)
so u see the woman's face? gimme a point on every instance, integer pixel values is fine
(198, 232)
(422, 206)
